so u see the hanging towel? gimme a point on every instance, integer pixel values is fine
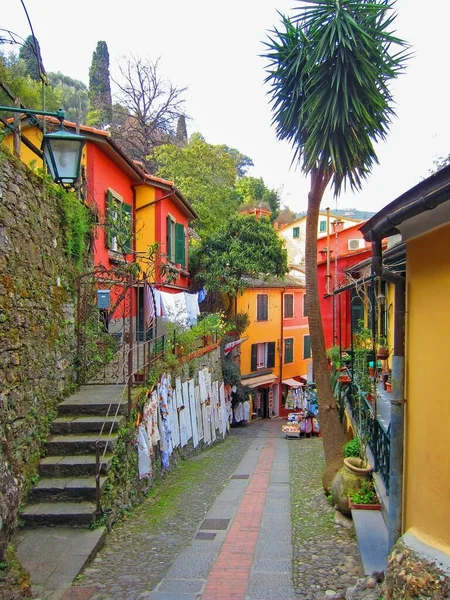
(175, 310)
(192, 308)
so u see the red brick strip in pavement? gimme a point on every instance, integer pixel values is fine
(229, 576)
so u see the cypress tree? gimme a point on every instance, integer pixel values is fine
(181, 134)
(100, 102)
(30, 53)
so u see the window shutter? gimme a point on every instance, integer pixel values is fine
(127, 228)
(288, 350)
(271, 354)
(108, 236)
(180, 244)
(254, 357)
(288, 305)
(261, 307)
(169, 238)
(307, 346)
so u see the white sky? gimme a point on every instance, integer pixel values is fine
(214, 48)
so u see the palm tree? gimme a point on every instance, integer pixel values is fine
(329, 70)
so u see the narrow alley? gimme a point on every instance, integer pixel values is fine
(224, 526)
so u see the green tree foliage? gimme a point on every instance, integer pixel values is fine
(329, 72)
(243, 247)
(254, 192)
(206, 175)
(30, 54)
(100, 102)
(73, 94)
(14, 76)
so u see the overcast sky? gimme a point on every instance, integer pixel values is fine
(214, 49)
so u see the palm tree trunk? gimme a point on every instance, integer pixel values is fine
(331, 428)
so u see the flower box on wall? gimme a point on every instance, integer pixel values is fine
(355, 506)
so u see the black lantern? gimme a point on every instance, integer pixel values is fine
(61, 149)
(62, 153)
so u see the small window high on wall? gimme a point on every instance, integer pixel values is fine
(262, 307)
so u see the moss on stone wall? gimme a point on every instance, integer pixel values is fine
(40, 253)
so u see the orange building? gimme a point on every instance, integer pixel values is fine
(277, 348)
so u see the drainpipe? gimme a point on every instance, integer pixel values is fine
(397, 397)
(281, 349)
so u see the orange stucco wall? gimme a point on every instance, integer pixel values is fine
(102, 174)
(427, 450)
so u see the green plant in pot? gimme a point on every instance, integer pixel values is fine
(366, 497)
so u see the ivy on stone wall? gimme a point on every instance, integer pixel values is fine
(76, 222)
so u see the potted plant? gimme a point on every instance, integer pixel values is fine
(383, 350)
(139, 376)
(365, 498)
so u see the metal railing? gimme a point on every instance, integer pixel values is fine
(141, 358)
(370, 429)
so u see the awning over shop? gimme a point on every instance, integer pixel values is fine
(259, 380)
(292, 383)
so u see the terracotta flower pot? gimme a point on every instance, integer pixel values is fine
(357, 466)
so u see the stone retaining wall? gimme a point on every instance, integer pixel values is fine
(411, 574)
(37, 342)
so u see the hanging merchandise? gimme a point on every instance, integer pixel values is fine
(144, 452)
(193, 413)
(198, 410)
(186, 404)
(224, 407)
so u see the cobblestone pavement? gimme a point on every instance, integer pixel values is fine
(140, 550)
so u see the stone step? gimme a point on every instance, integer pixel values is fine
(72, 466)
(78, 444)
(95, 400)
(75, 514)
(372, 536)
(79, 424)
(66, 488)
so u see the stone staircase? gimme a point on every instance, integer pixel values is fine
(66, 492)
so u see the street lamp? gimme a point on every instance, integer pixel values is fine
(61, 149)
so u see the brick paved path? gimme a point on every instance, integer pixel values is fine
(229, 536)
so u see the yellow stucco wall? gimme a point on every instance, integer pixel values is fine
(427, 458)
(145, 218)
(27, 156)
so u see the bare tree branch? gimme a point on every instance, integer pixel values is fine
(147, 107)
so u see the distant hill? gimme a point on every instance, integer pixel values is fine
(351, 213)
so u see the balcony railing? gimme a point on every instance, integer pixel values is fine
(370, 429)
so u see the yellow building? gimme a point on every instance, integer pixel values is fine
(420, 454)
(277, 348)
